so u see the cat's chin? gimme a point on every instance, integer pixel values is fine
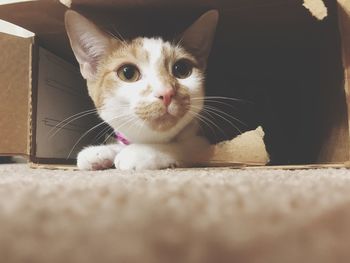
(155, 130)
(163, 123)
(159, 118)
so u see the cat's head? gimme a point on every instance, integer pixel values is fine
(144, 83)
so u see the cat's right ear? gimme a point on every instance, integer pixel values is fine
(88, 42)
(198, 38)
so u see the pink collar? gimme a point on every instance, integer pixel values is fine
(121, 138)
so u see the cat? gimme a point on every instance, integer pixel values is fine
(148, 90)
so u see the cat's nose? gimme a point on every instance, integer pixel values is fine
(166, 96)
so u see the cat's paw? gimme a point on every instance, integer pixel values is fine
(96, 158)
(143, 157)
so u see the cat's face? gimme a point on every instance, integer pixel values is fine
(149, 81)
(145, 88)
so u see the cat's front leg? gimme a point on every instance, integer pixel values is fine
(147, 157)
(98, 157)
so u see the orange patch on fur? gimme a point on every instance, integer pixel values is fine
(118, 54)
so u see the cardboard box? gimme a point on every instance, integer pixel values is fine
(290, 68)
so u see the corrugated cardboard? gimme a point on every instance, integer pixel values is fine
(274, 53)
(15, 94)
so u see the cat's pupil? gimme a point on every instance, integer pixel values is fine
(182, 69)
(129, 72)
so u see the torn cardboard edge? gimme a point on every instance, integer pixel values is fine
(67, 3)
(248, 147)
(345, 5)
(317, 8)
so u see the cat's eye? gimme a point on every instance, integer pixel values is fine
(182, 69)
(129, 73)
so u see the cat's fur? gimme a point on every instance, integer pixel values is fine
(163, 133)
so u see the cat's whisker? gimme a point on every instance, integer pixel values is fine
(204, 120)
(91, 129)
(136, 124)
(217, 111)
(125, 115)
(112, 134)
(208, 102)
(225, 113)
(81, 137)
(214, 124)
(208, 98)
(211, 111)
(113, 130)
(225, 119)
(178, 43)
(130, 120)
(107, 137)
(61, 125)
(210, 121)
(103, 133)
(72, 116)
(75, 117)
(107, 129)
(118, 36)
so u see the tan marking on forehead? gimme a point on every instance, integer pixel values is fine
(164, 66)
(135, 47)
(171, 54)
(101, 87)
(105, 79)
(131, 51)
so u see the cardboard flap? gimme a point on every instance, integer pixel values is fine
(14, 94)
(344, 23)
(40, 17)
(156, 17)
(165, 16)
(44, 18)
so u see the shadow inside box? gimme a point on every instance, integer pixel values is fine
(6, 159)
(12, 159)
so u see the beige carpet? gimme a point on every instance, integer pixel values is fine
(198, 215)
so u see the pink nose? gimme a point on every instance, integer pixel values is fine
(166, 96)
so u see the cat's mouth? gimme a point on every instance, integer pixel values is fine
(164, 123)
(159, 117)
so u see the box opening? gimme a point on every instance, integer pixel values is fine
(282, 65)
(289, 65)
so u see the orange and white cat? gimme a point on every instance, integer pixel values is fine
(148, 90)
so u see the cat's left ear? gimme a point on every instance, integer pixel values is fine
(89, 43)
(198, 38)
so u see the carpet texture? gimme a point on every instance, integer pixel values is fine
(193, 215)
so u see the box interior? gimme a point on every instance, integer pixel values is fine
(60, 130)
(282, 65)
